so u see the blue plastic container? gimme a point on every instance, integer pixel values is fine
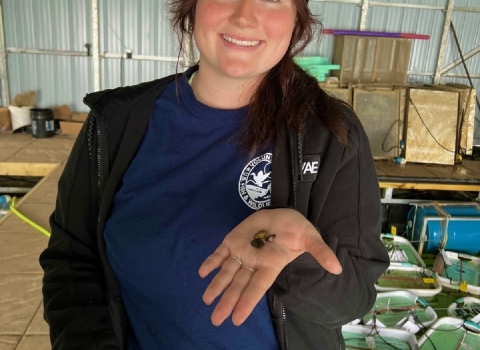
(463, 231)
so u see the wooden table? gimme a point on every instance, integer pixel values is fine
(21, 322)
(24, 155)
(433, 177)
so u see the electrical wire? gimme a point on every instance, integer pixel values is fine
(27, 220)
(388, 134)
(418, 322)
(426, 127)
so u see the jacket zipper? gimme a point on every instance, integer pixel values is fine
(99, 164)
(294, 176)
(94, 124)
(284, 318)
(101, 156)
(294, 186)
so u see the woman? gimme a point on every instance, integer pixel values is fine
(171, 179)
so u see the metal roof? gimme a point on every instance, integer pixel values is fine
(142, 27)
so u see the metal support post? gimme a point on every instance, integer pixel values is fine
(5, 86)
(363, 15)
(96, 47)
(443, 42)
(459, 61)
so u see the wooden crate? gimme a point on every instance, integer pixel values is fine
(336, 89)
(365, 59)
(431, 126)
(381, 111)
(466, 114)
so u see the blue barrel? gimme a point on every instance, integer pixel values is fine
(463, 228)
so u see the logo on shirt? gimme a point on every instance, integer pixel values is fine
(255, 185)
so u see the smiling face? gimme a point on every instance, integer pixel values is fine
(242, 38)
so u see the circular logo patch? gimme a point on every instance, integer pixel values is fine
(255, 185)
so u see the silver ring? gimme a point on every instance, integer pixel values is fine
(237, 259)
(248, 268)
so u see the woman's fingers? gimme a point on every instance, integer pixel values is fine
(232, 294)
(256, 289)
(241, 297)
(214, 261)
(222, 279)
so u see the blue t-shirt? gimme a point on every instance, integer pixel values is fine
(186, 188)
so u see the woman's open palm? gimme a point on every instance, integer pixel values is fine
(247, 272)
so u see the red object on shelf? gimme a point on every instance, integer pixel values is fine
(376, 34)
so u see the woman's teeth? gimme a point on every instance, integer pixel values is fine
(240, 42)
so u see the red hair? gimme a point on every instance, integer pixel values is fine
(286, 93)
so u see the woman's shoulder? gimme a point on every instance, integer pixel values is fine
(122, 97)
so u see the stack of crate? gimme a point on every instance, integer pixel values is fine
(424, 124)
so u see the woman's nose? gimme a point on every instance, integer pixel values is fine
(244, 14)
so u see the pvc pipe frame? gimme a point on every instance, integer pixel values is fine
(437, 206)
(426, 219)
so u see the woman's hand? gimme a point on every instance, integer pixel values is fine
(246, 272)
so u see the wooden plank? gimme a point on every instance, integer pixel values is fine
(429, 186)
(7, 153)
(392, 169)
(472, 165)
(453, 172)
(18, 141)
(41, 155)
(26, 169)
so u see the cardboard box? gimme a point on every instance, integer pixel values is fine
(70, 127)
(62, 113)
(5, 120)
(365, 59)
(79, 117)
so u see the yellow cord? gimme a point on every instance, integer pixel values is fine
(27, 220)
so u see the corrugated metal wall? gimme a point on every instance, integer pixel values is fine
(142, 27)
(49, 25)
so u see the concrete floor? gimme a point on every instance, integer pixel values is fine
(21, 322)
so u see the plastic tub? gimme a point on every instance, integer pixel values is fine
(447, 334)
(401, 251)
(316, 66)
(470, 272)
(367, 337)
(417, 280)
(401, 309)
(467, 308)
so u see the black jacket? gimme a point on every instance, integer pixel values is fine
(82, 300)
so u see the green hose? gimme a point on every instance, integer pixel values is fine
(27, 220)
